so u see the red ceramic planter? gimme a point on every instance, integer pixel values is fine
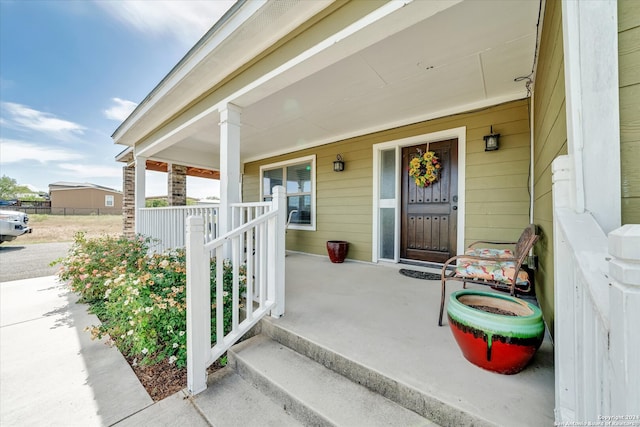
(337, 250)
(496, 332)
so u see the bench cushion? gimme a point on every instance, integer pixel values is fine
(491, 270)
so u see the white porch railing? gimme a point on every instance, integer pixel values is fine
(597, 300)
(258, 243)
(166, 225)
(241, 213)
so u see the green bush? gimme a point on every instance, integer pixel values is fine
(139, 298)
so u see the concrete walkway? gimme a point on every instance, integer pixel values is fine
(52, 373)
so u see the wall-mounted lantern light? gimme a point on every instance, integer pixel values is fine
(338, 165)
(491, 141)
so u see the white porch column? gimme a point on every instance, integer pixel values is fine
(590, 30)
(229, 163)
(140, 191)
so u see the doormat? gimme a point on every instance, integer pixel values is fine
(419, 274)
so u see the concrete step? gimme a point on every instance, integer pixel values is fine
(312, 393)
(230, 401)
(428, 406)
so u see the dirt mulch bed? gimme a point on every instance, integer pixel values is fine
(162, 380)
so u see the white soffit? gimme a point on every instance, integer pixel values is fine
(424, 60)
(452, 60)
(256, 26)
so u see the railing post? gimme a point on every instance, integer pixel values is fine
(198, 307)
(277, 268)
(624, 300)
(564, 296)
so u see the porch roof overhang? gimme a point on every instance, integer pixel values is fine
(401, 63)
(126, 156)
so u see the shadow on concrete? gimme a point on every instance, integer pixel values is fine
(117, 391)
(10, 248)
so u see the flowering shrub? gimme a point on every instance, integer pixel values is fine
(90, 262)
(142, 304)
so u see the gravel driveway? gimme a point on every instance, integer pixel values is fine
(27, 261)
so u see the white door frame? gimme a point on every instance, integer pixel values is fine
(461, 134)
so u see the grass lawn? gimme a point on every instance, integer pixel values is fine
(58, 228)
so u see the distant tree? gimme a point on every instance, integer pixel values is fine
(9, 188)
(156, 203)
(32, 197)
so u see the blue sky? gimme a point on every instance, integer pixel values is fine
(71, 71)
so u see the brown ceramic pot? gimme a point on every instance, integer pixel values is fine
(337, 250)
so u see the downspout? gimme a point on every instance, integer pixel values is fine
(531, 91)
(531, 163)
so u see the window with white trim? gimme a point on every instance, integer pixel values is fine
(109, 201)
(298, 176)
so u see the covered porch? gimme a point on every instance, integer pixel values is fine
(364, 79)
(314, 76)
(385, 324)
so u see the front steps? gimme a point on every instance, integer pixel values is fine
(231, 401)
(297, 382)
(311, 393)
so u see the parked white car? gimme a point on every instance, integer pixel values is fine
(12, 225)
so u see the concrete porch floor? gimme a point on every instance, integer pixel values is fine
(387, 322)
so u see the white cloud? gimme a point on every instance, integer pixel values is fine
(12, 151)
(185, 20)
(91, 171)
(21, 116)
(120, 110)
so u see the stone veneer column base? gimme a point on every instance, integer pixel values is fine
(128, 200)
(177, 185)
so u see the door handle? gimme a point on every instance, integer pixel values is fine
(455, 208)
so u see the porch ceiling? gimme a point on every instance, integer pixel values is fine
(462, 56)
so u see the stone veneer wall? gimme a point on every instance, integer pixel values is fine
(128, 202)
(177, 185)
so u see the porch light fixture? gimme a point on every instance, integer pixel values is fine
(491, 141)
(338, 165)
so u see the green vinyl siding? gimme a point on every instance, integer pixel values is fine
(629, 76)
(550, 141)
(343, 199)
(496, 181)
